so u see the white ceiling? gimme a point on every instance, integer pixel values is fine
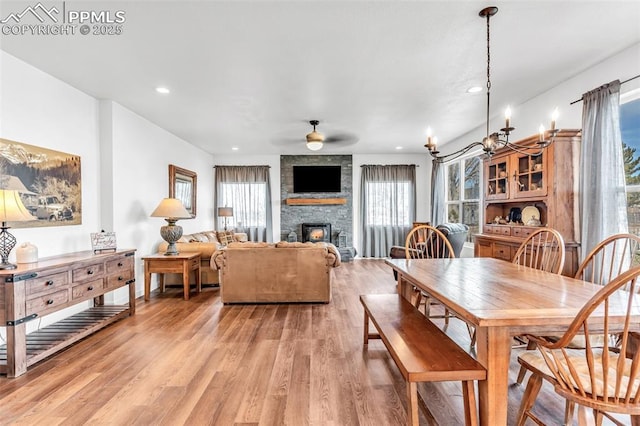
(251, 74)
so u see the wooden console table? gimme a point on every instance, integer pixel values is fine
(54, 283)
(160, 264)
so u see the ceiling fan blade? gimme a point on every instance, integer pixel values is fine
(342, 139)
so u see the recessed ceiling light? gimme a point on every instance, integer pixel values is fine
(474, 89)
(163, 90)
(398, 147)
(234, 148)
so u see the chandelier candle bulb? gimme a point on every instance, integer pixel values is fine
(507, 117)
(554, 117)
(541, 130)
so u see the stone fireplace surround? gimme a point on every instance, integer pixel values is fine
(340, 216)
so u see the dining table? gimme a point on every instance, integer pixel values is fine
(501, 300)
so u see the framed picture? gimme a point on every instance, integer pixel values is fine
(183, 185)
(48, 181)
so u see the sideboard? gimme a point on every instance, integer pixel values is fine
(33, 290)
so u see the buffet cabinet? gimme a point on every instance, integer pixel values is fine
(545, 182)
(54, 283)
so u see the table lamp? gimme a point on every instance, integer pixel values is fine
(171, 209)
(225, 212)
(11, 210)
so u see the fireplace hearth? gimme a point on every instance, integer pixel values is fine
(316, 232)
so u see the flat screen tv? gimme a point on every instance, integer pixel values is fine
(316, 179)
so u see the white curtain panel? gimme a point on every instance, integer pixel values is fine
(247, 190)
(438, 205)
(388, 207)
(603, 203)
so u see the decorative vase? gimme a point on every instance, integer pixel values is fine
(27, 253)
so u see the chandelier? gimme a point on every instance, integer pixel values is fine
(500, 139)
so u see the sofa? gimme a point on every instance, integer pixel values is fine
(276, 273)
(206, 243)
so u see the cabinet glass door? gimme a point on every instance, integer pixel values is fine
(530, 175)
(497, 180)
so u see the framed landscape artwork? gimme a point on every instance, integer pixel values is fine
(183, 186)
(48, 181)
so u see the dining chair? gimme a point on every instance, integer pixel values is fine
(543, 249)
(607, 260)
(600, 379)
(427, 242)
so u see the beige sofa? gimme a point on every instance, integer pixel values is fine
(276, 273)
(206, 243)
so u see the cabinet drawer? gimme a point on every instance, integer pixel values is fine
(523, 231)
(47, 283)
(47, 302)
(502, 251)
(119, 265)
(193, 263)
(89, 272)
(87, 290)
(498, 230)
(118, 280)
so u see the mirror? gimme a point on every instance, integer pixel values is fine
(183, 186)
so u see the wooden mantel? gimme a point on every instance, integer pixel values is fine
(314, 201)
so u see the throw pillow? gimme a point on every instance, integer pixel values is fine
(225, 237)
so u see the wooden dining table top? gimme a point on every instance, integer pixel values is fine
(491, 292)
(502, 300)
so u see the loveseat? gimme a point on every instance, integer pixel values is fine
(276, 273)
(206, 243)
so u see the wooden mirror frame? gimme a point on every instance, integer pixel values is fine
(179, 176)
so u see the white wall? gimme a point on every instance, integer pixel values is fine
(139, 179)
(528, 116)
(124, 159)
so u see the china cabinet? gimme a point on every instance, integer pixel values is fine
(545, 183)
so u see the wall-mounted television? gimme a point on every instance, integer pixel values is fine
(316, 179)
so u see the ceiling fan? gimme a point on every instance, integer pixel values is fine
(316, 140)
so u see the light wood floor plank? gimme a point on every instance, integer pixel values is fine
(199, 362)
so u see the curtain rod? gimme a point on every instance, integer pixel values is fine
(622, 82)
(231, 165)
(365, 165)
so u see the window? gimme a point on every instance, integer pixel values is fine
(378, 194)
(247, 190)
(255, 211)
(630, 130)
(463, 179)
(388, 205)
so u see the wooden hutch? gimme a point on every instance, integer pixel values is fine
(547, 181)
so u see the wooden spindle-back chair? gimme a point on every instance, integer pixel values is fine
(543, 249)
(599, 379)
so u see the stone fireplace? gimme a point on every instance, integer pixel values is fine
(316, 232)
(293, 215)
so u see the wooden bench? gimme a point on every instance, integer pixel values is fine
(422, 351)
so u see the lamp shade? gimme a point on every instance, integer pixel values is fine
(171, 208)
(11, 207)
(225, 211)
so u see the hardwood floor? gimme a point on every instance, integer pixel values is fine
(199, 362)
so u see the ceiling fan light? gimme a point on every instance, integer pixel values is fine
(314, 145)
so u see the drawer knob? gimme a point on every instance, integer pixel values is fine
(120, 278)
(120, 264)
(50, 282)
(90, 272)
(50, 302)
(90, 288)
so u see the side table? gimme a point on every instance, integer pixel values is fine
(160, 264)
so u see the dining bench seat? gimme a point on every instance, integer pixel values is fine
(421, 350)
